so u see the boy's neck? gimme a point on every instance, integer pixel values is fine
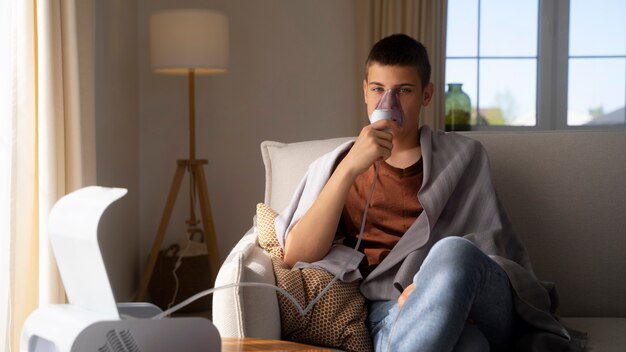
(405, 153)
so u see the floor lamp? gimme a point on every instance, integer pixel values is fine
(188, 42)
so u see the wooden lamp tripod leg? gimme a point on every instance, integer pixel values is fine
(165, 219)
(207, 219)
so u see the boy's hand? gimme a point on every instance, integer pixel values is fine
(374, 143)
(405, 294)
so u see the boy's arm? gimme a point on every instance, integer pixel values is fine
(311, 238)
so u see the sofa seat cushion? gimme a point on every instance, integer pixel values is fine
(604, 334)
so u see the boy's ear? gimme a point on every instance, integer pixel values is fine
(427, 94)
(365, 90)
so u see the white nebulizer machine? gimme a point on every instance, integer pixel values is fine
(93, 321)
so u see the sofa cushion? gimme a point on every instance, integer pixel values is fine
(266, 231)
(336, 320)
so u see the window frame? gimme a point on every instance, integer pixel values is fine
(552, 71)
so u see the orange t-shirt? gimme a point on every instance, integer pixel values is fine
(393, 209)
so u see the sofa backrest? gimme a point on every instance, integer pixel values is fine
(565, 193)
(286, 164)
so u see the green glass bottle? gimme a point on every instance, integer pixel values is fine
(458, 108)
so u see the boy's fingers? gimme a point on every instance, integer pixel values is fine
(385, 125)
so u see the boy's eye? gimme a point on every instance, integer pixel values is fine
(404, 90)
(377, 89)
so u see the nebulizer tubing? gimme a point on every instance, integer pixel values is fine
(389, 108)
(301, 310)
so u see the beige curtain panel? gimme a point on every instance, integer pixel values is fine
(424, 20)
(52, 147)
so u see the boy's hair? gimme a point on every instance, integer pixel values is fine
(400, 50)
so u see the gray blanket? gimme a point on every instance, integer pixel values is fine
(459, 199)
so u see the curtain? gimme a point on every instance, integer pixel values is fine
(424, 20)
(48, 145)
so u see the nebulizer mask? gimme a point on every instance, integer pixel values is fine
(388, 108)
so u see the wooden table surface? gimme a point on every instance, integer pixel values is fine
(231, 344)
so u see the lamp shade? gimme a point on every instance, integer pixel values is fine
(185, 39)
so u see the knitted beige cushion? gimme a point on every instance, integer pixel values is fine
(266, 232)
(338, 318)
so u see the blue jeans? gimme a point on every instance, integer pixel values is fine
(462, 301)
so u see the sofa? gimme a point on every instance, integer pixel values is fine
(564, 192)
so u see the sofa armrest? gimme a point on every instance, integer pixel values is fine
(246, 311)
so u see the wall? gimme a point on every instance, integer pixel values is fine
(117, 138)
(292, 77)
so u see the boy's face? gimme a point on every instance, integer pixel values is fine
(407, 82)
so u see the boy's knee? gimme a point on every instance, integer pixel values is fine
(453, 258)
(454, 249)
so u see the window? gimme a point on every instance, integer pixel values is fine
(533, 64)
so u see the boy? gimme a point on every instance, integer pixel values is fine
(441, 268)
